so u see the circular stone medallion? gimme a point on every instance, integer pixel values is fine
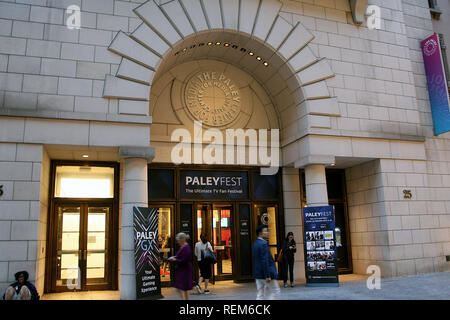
(213, 98)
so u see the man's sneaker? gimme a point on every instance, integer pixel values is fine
(206, 291)
(285, 285)
(199, 290)
(292, 285)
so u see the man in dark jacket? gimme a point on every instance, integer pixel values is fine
(265, 271)
(21, 289)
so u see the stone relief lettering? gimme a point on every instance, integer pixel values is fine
(213, 98)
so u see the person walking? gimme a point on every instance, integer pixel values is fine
(184, 275)
(265, 271)
(289, 249)
(21, 289)
(204, 265)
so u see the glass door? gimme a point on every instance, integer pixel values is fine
(165, 242)
(222, 238)
(96, 256)
(83, 255)
(216, 222)
(68, 252)
(267, 215)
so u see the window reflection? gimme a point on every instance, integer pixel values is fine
(267, 216)
(338, 237)
(165, 242)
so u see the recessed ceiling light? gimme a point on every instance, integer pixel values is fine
(218, 43)
(184, 50)
(210, 43)
(85, 156)
(266, 64)
(251, 53)
(258, 58)
(226, 44)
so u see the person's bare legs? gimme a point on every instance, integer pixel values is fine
(200, 280)
(10, 293)
(25, 293)
(185, 295)
(206, 284)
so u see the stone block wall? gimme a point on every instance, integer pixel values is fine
(373, 82)
(402, 236)
(293, 216)
(47, 68)
(25, 175)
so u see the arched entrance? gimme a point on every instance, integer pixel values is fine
(246, 45)
(251, 35)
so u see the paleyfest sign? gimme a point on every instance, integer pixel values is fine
(320, 246)
(146, 253)
(197, 184)
(437, 84)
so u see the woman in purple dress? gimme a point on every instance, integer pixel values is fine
(183, 258)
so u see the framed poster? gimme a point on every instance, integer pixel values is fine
(320, 246)
(146, 253)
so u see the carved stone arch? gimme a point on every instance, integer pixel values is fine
(294, 78)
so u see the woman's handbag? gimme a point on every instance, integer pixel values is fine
(280, 257)
(210, 256)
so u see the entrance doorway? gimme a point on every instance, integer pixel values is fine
(337, 197)
(215, 220)
(83, 250)
(225, 203)
(82, 228)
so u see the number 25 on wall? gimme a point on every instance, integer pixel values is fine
(1, 191)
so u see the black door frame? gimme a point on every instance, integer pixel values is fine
(178, 202)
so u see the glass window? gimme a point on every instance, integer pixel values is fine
(165, 242)
(266, 215)
(84, 182)
(265, 187)
(160, 184)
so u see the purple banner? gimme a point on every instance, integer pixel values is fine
(437, 84)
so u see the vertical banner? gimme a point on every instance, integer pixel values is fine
(146, 253)
(320, 246)
(437, 84)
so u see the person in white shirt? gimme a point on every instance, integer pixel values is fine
(204, 265)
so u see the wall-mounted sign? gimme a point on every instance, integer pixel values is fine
(244, 227)
(437, 84)
(196, 184)
(146, 253)
(320, 246)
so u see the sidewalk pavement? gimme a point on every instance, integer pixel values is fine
(434, 286)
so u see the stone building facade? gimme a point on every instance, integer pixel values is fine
(343, 96)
